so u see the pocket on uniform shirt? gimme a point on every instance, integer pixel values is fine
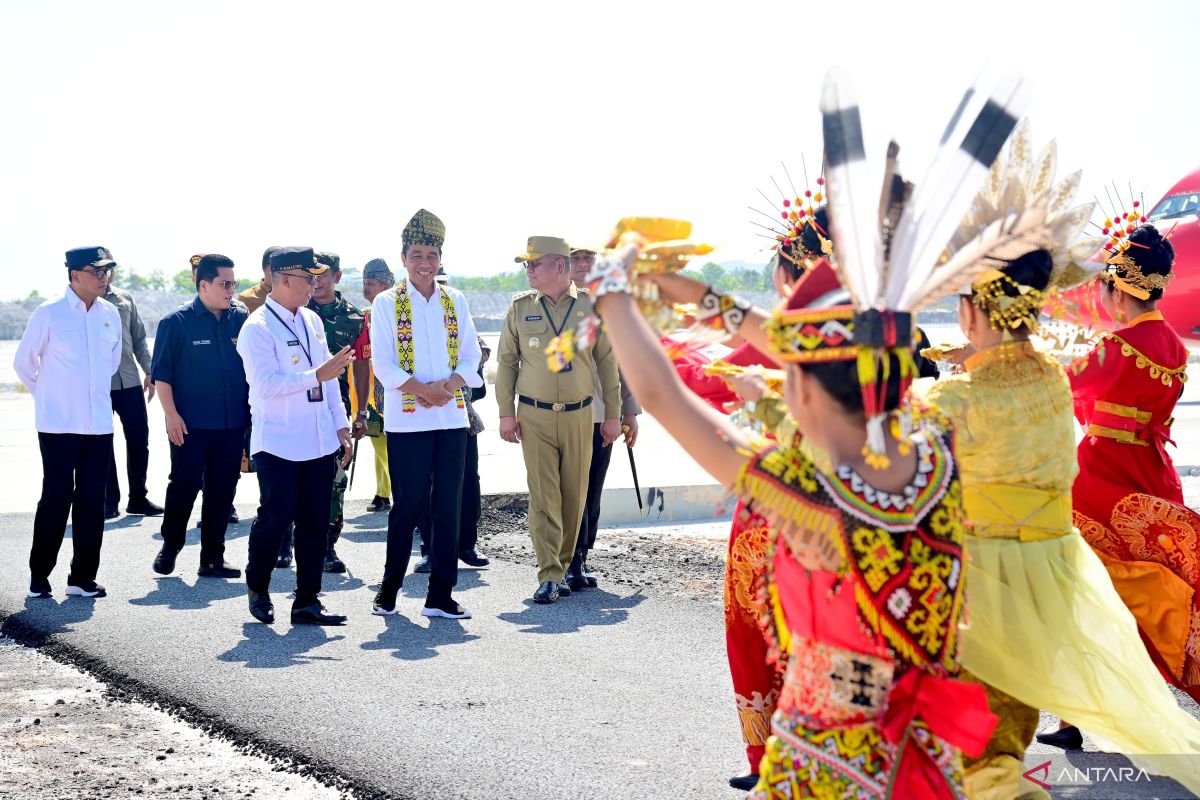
(534, 333)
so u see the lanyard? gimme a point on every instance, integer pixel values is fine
(558, 328)
(295, 337)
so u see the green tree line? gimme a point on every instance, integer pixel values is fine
(743, 279)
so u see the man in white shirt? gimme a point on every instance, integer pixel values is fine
(425, 353)
(66, 359)
(298, 425)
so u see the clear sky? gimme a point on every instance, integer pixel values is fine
(161, 129)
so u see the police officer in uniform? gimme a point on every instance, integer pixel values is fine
(345, 324)
(549, 413)
(298, 425)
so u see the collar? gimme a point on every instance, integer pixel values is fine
(72, 298)
(198, 307)
(1149, 316)
(281, 311)
(571, 292)
(337, 301)
(1005, 351)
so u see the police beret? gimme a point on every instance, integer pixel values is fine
(82, 257)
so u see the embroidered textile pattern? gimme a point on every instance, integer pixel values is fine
(849, 763)
(832, 686)
(754, 714)
(744, 576)
(1150, 529)
(1157, 371)
(404, 340)
(907, 571)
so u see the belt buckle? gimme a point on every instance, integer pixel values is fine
(559, 406)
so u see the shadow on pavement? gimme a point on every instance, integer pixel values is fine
(45, 617)
(570, 614)
(412, 642)
(266, 648)
(173, 593)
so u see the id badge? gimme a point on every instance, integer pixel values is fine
(317, 394)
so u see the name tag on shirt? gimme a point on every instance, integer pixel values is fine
(294, 343)
(201, 341)
(533, 318)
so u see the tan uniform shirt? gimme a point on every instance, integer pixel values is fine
(521, 367)
(254, 298)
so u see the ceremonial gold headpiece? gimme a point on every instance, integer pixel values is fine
(1019, 211)
(797, 214)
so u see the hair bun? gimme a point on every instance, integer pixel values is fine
(1150, 251)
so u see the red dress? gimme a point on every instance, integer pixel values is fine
(756, 680)
(1128, 500)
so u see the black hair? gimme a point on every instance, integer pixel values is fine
(1153, 254)
(267, 255)
(404, 250)
(809, 245)
(840, 380)
(1033, 270)
(209, 265)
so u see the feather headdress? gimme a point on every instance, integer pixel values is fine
(887, 244)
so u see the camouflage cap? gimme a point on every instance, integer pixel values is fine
(331, 260)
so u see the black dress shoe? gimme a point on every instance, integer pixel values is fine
(164, 562)
(575, 583)
(1068, 738)
(315, 615)
(547, 592)
(472, 558)
(744, 782)
(234, 519)
(379, 504)
(260, 607)
(219, 569)
(589, 577)
(333, 563)
(564, 590)
(143, 507)
(423, 565)
(111, 513)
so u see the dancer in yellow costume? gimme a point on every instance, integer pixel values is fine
(1045, 627)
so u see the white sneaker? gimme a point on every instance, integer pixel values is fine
(92, 590)
(451, 611)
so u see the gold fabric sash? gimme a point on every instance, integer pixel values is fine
(1006, 511)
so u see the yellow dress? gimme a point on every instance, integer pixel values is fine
(1043, 622)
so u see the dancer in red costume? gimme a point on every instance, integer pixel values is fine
(1128, 501)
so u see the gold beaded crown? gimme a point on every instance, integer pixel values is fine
(797, 214)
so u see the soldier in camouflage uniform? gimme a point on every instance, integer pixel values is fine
(344, 325)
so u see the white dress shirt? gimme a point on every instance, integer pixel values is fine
(66, 359)
(280, 374)
(431, 358)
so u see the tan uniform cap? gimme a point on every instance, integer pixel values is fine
(539, 246)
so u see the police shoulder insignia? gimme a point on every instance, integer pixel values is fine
(526, 293)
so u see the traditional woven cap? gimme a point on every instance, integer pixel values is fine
(424, 228)
(817, 322)
(378, 270)
(538, 246)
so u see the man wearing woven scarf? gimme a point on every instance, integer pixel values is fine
(425, 353)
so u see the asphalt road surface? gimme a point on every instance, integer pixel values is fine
(617, 692)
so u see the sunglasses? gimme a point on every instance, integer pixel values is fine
(226, 285)
(99, 272)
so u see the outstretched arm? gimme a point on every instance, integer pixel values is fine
(677, 288)
(707, 435)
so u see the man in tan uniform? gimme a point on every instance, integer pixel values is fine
(256, 296)
(549, 413)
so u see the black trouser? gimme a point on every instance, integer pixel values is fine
(130, 405)
(208, 459)
(291, 491)
(470, 509)
(420, 458)
(601, 456)
(74, 466)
